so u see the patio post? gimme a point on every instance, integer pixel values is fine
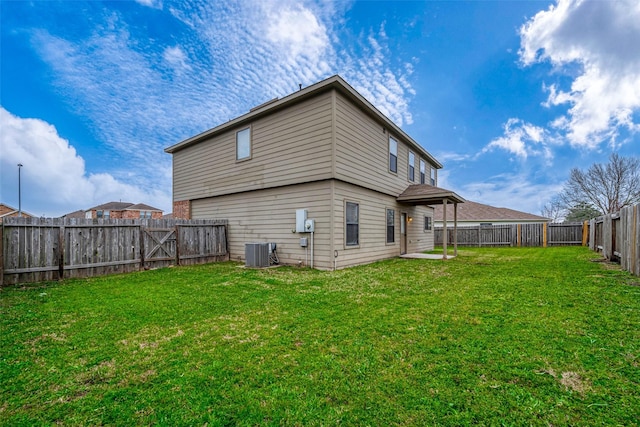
(455, 228)
(444, 230)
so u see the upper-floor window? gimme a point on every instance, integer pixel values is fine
(393, 155)
(103, 214)
(412, 166)
(391, 226)
(423, 173)
(145, 214)
(433, 176)
(243, 144)
(352, 224)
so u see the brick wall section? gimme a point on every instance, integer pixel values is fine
(128, 214)
(182, 209)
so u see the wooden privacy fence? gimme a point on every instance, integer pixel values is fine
(517, 235)
(617, 237)
(35, 249)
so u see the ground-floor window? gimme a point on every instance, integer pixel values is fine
(352, 224)
(427, 223)
(391, 226)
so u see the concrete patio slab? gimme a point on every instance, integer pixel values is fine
(425, 256)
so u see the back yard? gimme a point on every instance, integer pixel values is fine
(496, 336)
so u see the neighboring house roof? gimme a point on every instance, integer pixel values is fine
(76, 214)
(123, 206)
(6, 210)
(168, 216)
(336, 82)
(473, 211)
(142, 207)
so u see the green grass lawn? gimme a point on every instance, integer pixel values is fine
(514, 336)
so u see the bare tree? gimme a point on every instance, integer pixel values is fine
(554, 210)
(606, 187)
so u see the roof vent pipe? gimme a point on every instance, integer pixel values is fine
(300, 85)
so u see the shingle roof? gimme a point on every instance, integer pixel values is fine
(142, 207)
(111, 206)
(123, 206)
(425, 194)
(76, 214)
(473, 211)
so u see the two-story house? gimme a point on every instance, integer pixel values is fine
(324, 149)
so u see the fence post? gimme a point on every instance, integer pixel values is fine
(585, 232)
(519, 235)
(544, 235)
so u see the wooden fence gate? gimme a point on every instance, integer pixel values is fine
(159, 244)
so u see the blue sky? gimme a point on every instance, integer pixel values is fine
(508, 95)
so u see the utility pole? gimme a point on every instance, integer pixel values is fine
(19, 191)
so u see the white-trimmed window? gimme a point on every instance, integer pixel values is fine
(433, 176)
(391, 226)
(243, 144)
(352, 224)
(427, 223)
(412, 166)
(103, 214)
(393, 155)
(145, 214)
(423, 172)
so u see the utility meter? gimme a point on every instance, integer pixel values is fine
(309, 226)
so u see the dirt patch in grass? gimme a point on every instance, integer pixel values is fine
(606, 264)
(575, 382)
(570, 380)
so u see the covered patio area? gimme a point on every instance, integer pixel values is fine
(424, 194)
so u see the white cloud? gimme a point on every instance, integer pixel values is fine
(176, 58)
(601, 38)
(522, 139)
(512, 190)
(54, 180)
(155, 4)
(230, 59)
(298, 31)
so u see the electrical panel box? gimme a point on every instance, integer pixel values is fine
(301, 218)
(304, 242)
(309, 226)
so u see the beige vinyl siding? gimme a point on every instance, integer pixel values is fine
(270, 216)
(362, 151)
(373, 226)
(419, 240)
(291, 146)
